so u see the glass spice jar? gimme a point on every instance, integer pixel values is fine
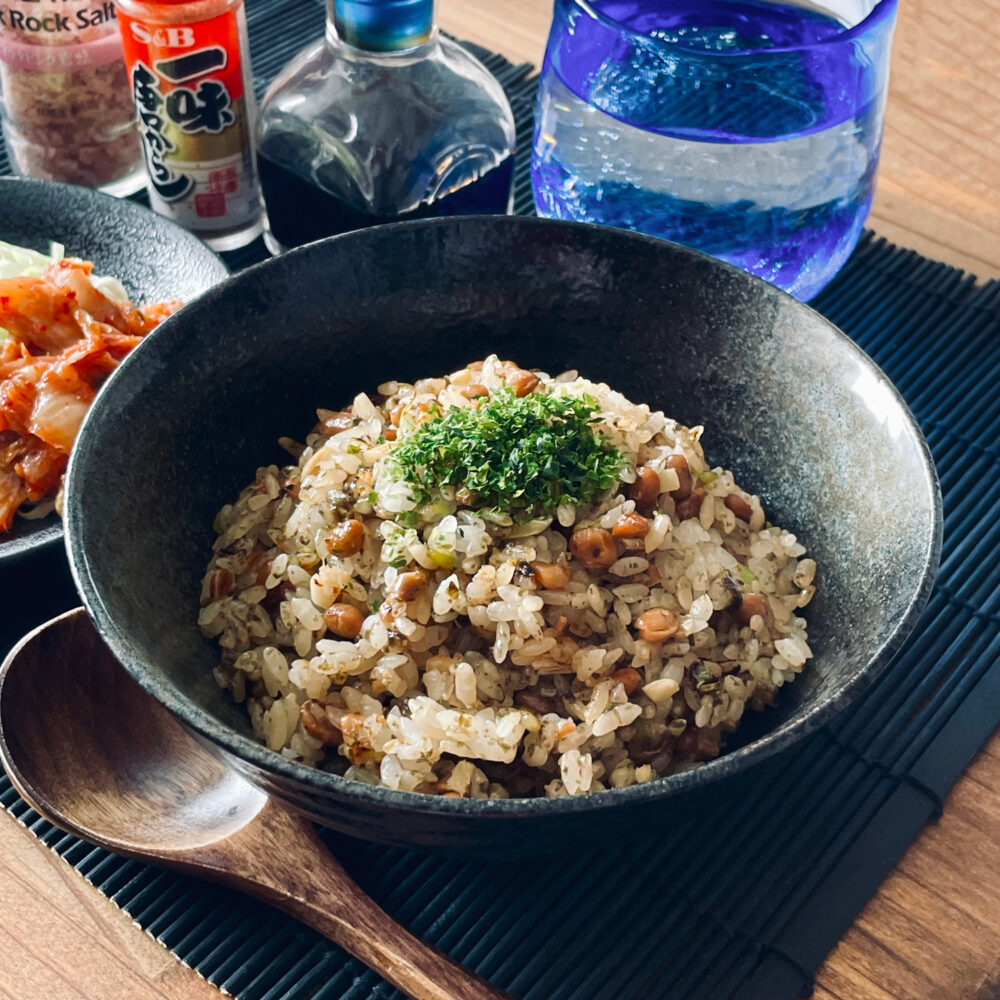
(65, 102)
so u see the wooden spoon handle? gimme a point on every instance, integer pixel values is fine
(354, 921)
(279, 858)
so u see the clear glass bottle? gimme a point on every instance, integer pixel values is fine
(383, 119)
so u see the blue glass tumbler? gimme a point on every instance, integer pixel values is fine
(744, 128)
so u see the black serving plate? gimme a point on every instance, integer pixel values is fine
(152, 257)
(789, 403)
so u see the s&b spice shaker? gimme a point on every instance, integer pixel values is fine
(189, 74)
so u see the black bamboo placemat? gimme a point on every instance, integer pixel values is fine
(746, 900)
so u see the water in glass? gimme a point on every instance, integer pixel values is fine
(743, 128)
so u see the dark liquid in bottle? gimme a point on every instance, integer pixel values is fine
(299, 212)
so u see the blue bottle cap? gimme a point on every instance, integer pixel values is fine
(383, 25)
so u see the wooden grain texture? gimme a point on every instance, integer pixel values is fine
(59, 937)
(939, 179)
(938, 193)
(145, 788)
(932, 932)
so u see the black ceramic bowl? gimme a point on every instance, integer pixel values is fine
(790, 404)
(152, 257)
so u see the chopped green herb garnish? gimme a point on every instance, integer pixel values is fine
(374, 604)
(523, 455)
(408, 518)
(747, 575)
(397, 541)
(353, 448)
(373, 498)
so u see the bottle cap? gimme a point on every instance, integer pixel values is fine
(384, 25)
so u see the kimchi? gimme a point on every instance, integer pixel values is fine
(64, 331)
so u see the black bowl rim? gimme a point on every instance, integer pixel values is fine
(49, 531)
(45, 535)
(247, 751)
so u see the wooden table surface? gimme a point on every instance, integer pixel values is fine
(932, 932)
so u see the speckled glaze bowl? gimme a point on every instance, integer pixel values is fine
(800, 414)
(152, 257)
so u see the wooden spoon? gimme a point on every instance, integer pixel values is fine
(100, 758)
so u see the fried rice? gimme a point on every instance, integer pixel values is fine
(436, 643)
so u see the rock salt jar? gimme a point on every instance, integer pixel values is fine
(66, 105)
